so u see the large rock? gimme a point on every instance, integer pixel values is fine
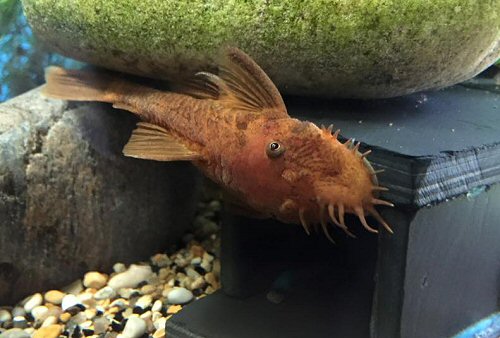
(364, 48)
(70, 202)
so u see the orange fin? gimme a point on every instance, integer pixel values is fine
(77, 85)
(241, 85)
(151, 142)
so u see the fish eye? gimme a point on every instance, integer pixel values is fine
(274, 149)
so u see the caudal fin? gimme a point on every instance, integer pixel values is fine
(77, 85)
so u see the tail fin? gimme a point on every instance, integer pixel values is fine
(77, 85)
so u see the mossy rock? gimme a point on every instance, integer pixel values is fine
(336, 48)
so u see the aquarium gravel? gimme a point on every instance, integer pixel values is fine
(132, 301)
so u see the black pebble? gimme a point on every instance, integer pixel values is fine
(141, 284)
(76, 333)
(7, 324)
(200, 270)
(117, 326)
(20, 323)
(155, 268)
(73, 310)
(178, 269)
(29, 317)
(138, 310)
(177, 283)
(88, 332)
(135, 294)
(197, 292)
(118, 316)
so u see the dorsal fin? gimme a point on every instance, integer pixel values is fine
(151, 142)
(241, 85)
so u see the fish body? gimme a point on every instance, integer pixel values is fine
(234, 126)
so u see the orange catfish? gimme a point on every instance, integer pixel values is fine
(234, 126)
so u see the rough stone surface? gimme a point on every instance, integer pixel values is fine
(70, 202)
(366, 48)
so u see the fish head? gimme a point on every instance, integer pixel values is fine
(300, 173)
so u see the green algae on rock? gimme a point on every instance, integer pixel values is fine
(336, 48)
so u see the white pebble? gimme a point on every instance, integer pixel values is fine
(29, 330)
(156, 316)
(33, 301)
(14, 333)
(86, 298)
(196, 261)
(208, 257)
(127, 292)
(40, 312)
(130, 278)
(120, 303)
(144, 301)
(165, 273)
(85, 325)
(101, 308)
(134, 328)
(146, 315)
(179, 296)
(106, 292)
(101, 324)
(74, 288)
(54, 311)
(198, 283)
(192, 273)
(50, 320)
(119, 267)
(94, 279)
(181, 262)
(186, 283)
(160, 322)
(206, 265)
(68, 301)
(90, 313)
(79, 318)
(128, 312)
(18, 311)
(157, 306)
(4, 315)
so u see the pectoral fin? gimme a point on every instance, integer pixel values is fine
(151, 142)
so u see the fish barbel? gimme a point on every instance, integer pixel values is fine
(234, 126)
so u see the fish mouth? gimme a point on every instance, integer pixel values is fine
(329, 210)
(331, 213)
